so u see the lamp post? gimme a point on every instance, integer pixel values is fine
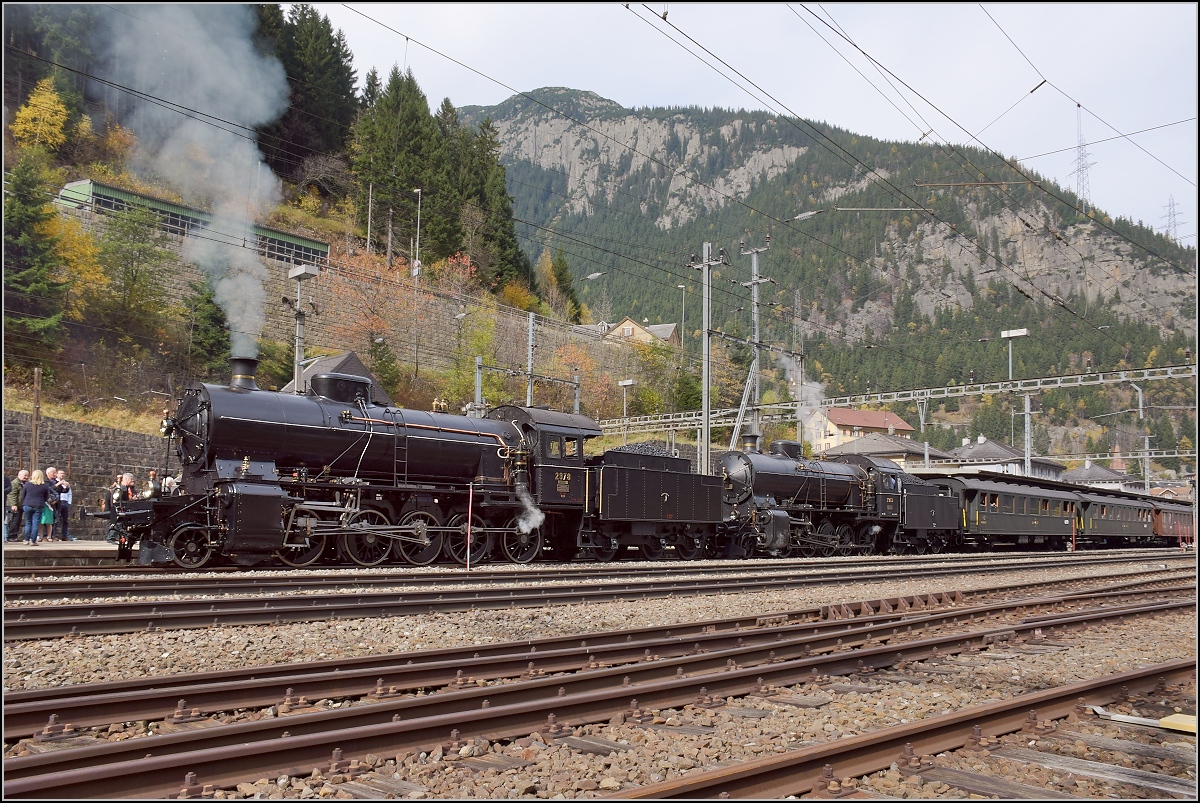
(682, 313)
(300, 273)
(416, 266)
(1146, 453)
(1010, 335)
(624, 385)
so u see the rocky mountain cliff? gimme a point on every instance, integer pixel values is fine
(662, 181)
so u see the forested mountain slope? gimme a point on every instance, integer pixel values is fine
(906, 263)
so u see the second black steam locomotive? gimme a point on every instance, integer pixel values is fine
(331, 475)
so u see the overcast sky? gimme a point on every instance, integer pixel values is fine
(1131, 68)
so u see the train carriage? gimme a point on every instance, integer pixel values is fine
(995, 513)
(1174, 524)
(1110, 520)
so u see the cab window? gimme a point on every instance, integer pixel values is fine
(554, 447)
(572, 447)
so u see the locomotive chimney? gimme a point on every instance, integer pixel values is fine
(243, 373)
(750, 443)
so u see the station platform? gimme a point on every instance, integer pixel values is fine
(18, 554)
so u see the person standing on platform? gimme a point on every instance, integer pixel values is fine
(124, 492)
(62, 511)
(13, 503)
(46, 525)
(33, 502)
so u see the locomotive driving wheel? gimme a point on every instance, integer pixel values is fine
(826, 545)
(367, 547)
(427, 544)
(454, 543)
(190, 548)
(843, 537)
(521, 547)
(304, 554)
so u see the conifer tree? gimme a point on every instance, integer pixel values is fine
(208, 332)
(566, 284)
(34, 293)
(321, 77)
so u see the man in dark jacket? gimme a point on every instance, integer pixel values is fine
(13, 505)
(125, 491)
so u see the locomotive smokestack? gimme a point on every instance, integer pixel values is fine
(243, 373)
(750, 443)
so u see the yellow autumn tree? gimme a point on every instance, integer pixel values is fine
(78, 254)
(42, 121)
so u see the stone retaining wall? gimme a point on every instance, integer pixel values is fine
(91, 456)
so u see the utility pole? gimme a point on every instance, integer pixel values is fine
(753, 284)
(529, 388)
(703, 447)
(389, 250)
(798, 365)
(36, 423)
(1146, 453)
(370, 208)
(1028, 440)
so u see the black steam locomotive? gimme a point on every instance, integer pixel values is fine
(332, 476)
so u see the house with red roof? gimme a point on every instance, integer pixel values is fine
(835, 426)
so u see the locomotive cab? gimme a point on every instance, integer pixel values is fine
(555, 444)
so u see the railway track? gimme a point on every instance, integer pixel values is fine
(828, 769)
(28, 576)
(222, 755)
(100, 704)
(51, 621)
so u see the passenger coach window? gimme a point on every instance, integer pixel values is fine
(1006, 504)
(1044, 506)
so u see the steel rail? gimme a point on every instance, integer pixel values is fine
(15, 590)
(753, 622)
(799, 771)
(126, 617)
(225, 755)
(27, 591)
(88, 706)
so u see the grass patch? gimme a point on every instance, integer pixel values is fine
(111, 414)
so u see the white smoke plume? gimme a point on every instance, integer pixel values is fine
(808, 392)
(532, 517)
(195, 89)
